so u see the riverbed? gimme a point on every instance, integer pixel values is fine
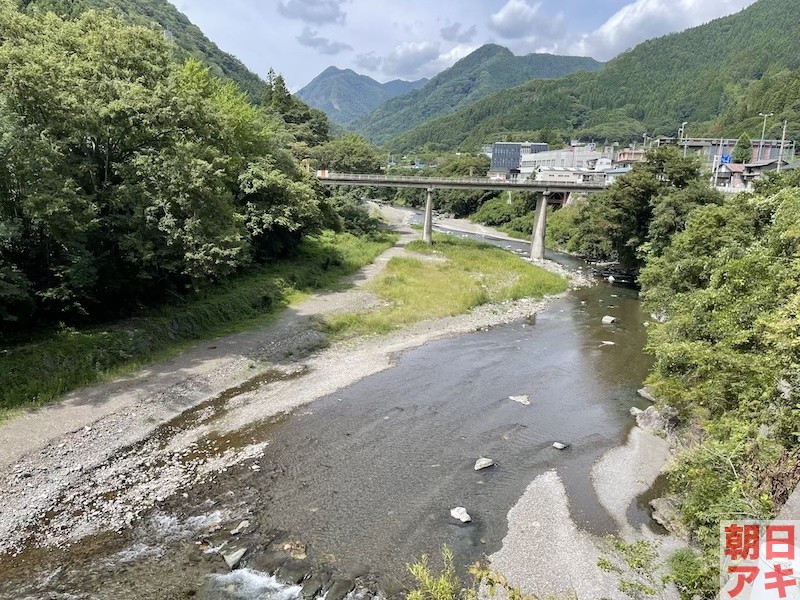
(352, 487)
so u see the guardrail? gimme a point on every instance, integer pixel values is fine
(469, 181)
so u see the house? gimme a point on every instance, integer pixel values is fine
(731, 177)
(711, 150)
(739, 178)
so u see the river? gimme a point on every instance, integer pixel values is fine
(360, 483)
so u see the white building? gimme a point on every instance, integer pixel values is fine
(568, 175)
(574, 157)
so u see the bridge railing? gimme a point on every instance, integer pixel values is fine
(477, 181)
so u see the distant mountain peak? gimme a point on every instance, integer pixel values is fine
(345, 95)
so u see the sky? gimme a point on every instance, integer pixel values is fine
(410, 39)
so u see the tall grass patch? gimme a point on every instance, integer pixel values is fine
(449, 278)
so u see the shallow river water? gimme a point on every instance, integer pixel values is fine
(360, 483)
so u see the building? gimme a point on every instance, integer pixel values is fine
(506, 157)
(568, 175)
(739, 178)
(574, 157)
(629, 156)
(711, 151)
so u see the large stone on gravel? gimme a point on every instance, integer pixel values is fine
(609, 320)
(233, 556)
(483, 463)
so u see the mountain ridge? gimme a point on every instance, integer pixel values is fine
(345, 95)
(702, 75)
(489, 68)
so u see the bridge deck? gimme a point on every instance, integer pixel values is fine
(465, 183)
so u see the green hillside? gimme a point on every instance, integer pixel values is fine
(176, 25)
(489, 69)
(718, 77)
(345, 96)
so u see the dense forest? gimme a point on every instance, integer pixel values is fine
(488, 69)
(128, 174)
(188, 37)
(344, 95)
(718, 77)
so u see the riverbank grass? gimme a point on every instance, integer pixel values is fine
(449, 278)
(59, 361)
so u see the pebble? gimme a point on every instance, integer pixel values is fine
(483, 463)
(460, 513)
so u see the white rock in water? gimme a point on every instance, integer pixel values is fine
(521, 399)
(559, 445)
(607, 320)
(460, 513)
(483, 463)
(232, 558)
(611, 279)
(606, 343)
(240, 527)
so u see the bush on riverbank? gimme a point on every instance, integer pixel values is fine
(450, 278)
(65, 359)
(728, 359)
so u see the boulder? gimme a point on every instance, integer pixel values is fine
(647, 394)
(233, 556)
(609, 320)
(240, 527)
(635, 412)
(560, 446)
(651, 419)
(483, 463)
(666, 514)
(339, 589)
(460, 513)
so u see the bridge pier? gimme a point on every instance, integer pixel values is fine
(427, 228)
(539, 226)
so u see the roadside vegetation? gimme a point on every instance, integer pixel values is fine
(449, 278)
(65, 358)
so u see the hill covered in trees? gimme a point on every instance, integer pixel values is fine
(345, 96)
(717, 76)
(175, 24)
(488, 69)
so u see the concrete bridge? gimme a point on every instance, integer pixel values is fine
(552, 193)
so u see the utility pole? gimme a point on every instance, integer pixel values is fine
(763, 132)
(783, 141)
(427, 227)
(682, 136)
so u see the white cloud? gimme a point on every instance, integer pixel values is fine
(320, 12)
(519, 19)
(369, 61)
(311, 39)
(645, 19)
(453, 33)
(409, 57)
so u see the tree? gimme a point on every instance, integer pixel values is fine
(348, 154)
(743, 150)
